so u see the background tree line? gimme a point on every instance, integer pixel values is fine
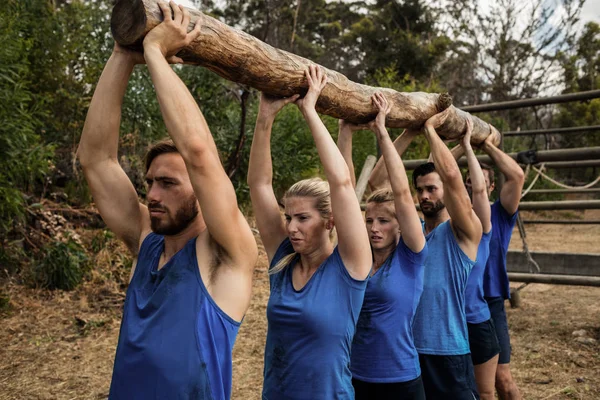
(53, 52)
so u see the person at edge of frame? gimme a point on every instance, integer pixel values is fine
(495, 280)
(483, 341)
(191, 280)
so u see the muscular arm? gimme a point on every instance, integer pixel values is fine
(190, 133)
(379, 177)
(111, 189)
(510, 195)
(465, 223)
(479, 191)
(353, 240)
(408, 219)
(260, 177)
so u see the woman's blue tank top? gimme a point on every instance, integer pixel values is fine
(383, 350)
(310, 331)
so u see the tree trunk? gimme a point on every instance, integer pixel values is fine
(234, 159)
(244, 59)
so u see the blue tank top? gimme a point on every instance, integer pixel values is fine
(175, 342)
(476, 307)
(495, 279)
(310, 331)
(440, 326)
(383, 350)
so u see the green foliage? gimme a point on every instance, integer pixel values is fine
(101, 239)
(23, 158)
(53, 53)
(61, 265)
(4, 303)
(581, 71)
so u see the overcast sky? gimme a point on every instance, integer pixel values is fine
(591, 11)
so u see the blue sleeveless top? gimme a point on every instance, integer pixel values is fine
(175, 342)
(310, 331)
(495, 279)
(383, 349)
(440, 326)
(476, 307)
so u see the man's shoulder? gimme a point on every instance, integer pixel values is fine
(499, 213)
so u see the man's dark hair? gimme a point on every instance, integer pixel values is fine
(490, 171)
(422, 170)
(163, 147)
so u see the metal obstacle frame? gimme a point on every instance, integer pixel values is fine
(575, 269)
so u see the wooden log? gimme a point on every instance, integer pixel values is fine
(242, 58)
(515, 299)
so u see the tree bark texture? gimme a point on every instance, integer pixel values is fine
(242, 58)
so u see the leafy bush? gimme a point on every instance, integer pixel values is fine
(62, 265)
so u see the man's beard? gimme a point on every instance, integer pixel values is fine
(434, 210)
(183, 218)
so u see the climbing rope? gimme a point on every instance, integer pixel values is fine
(527, 170)
(562, 185)
(526, 247)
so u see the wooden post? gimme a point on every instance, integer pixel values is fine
(555, 279)
(515, 299)
(244, 59)
(363, 179)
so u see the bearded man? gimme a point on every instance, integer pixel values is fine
(191, 281)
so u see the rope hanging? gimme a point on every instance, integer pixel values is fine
(562, 185)
(527, 171)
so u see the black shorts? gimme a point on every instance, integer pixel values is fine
(496, 305)
(483, 342)
(448, 377)
(410, 390)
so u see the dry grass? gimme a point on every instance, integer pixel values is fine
(58, 345)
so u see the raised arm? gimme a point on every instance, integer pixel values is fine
(465, 223)
(510, 195)
(353, 240)
(260, 176)
(188, 129)
(379, 177)
(111, 189)
(479, 190)
(406, 213)
(345, 145)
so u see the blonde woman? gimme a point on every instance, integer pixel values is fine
(316, 290)
(385, 362)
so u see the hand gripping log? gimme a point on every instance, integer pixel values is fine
(244, 59)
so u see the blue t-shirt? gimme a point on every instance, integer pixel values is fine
(440, 326)
(383, 349)
(175, 342)
(495, 279)
(310, 331)
(476, 307)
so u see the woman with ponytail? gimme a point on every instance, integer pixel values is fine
(317, 289)
(385, 362)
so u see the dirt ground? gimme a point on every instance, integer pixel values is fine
(60, 345)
